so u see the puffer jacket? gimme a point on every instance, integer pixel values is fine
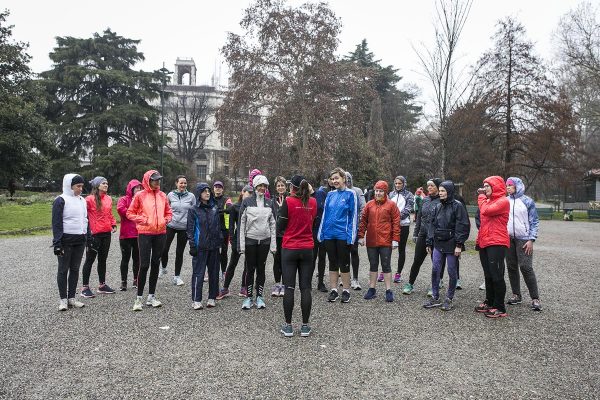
(103, 220)
(150, 209)
(181, 203)
(493, 215)
(523, 219)
(380, 221)
(128, 229)
(425, 215)
(257, 223)
(203, 222)
(450, 226)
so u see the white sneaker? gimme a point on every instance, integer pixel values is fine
(206, 277)
(162, 273)
(63, 305)
(198, 305)
(482, 287)
(355, 285)
(137, 305)
(177, 281)
(211, 303)
(75, 303)
(153, 301)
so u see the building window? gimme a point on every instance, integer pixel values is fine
(201, 172)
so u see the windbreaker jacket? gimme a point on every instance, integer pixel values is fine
(150, 209)
(103, 220)
(257, 224)
(380, 221)
(494, 212)
(69, 217)
(450, 225)
(128, 229)
(340, 216)
(320, 195)
(222, 203)
(234, 224)
(203, 223)
(425, 215)
(405, 201)
(523, 218)
(181, 203)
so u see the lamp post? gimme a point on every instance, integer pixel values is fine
(163, 79)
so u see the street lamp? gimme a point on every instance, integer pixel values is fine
(164, 77)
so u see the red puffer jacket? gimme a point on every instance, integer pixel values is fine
(101, 221)
(380, 221)
(494, 215)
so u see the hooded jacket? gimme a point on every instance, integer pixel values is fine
(450, 225)
(380, 221)
(257, 223)
(523, 219)
(69, 216)
(203, 224)
(128, 229)
(180, 203)
(362, 202)
(493, 215)
(340, 216)
(404, 200)
(103, 220)
(150, 209)
(425, 214)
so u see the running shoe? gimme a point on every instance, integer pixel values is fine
(137, 305)
(281, 290)
(243, 292)
(380, 277)
(134, 284)
(458, 284)
(177, 281)
(211, 303)
(397, 278)
(223, 293)
(536, 305)
(321, 287)
(407, 289)
(305, 330)
(87, 292)
(496, 314)
(197, 305)
(514, 299)
(432, 303)
(355, 285)
(247, 304)
(275, 291)
(63, 305)
(153, 301)
(483, 307)
(72, 302)
(389, 296)
(260, 302)
(287, 330)
(482, 286)
(123, 287)
(333, 296)
(441, 283)
(162, 273)
(429, 292)
(206, 276)
(345, 296)
(371, 294)
(105, 289)
(447, 306)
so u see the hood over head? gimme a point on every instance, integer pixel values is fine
(518, 184)
(260, 180)
(498, 186)
(382, 185)
(349, 183)
(68, 181)
(201, 187)
(252, 174)
(449, 186)
(403, 179)
(130, 186)
(146, 179)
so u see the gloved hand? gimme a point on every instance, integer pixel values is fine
(58, 251)
(361, 241)
(394, 244)
(193, 251)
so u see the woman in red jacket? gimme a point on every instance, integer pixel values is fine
(102, 224)
(493, 241)
(380, 220)
(128, 237)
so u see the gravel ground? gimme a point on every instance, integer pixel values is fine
(357, 350)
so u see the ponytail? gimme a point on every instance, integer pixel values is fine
(303, 192)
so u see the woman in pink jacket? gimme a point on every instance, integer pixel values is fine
(128, 236)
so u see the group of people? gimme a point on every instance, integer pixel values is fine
(300, 226)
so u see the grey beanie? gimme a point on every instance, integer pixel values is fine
(97, 181)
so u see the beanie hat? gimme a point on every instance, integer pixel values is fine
(97, 181)
(510, 182)
(77, 179)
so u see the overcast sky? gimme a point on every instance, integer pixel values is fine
(198, 28)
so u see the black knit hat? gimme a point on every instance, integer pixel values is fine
(77, 179)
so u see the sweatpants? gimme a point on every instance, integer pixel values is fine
(68, 270)
(277, 261)
(319, 254)
(181, 242)
(439, 259)
(516, 260)
(377, 253)
(404, 231)
(151, 248)
(256, 259)
(338, 253)
(233, 262)
(354, 260)
(297, 262)
(492, 261)
(205, 260)
(129, 250)
(103, 243)
(223, 251)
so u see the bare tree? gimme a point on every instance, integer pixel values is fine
(186, 117)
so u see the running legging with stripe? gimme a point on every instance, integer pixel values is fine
(256, 259)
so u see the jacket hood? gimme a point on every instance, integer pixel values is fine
(68, 182)
(199, 189)
(382, 185)
(449, 186)
(260, 180)
(519, 186)
(146, 180)
(349, 183)
(498, 186)
(130, 186)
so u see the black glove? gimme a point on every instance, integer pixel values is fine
(58, 251)
(193, 251)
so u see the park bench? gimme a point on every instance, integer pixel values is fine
(593, 214)
(545, 212)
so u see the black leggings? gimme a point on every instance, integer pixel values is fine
(404, 231)
(181, 241)
(319, 255)
(129, 249)
(338, 252)
(420, 255)
(151, 247)
(492, 261)
(68, 270)
(277, 261)
(354, 259)
(223, 251)
(233, 262)
(297, 262)
(103, 244)
(256, 258)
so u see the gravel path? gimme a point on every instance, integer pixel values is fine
(357, 350)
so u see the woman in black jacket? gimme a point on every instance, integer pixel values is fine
(448, 232)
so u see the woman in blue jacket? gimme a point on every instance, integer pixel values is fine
(338, 232)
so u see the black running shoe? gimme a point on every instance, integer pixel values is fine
(333, 296)
(345, 296)
(321, 287)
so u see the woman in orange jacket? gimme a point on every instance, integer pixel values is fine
(102, 224)
(380, 221)
(151, 213)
